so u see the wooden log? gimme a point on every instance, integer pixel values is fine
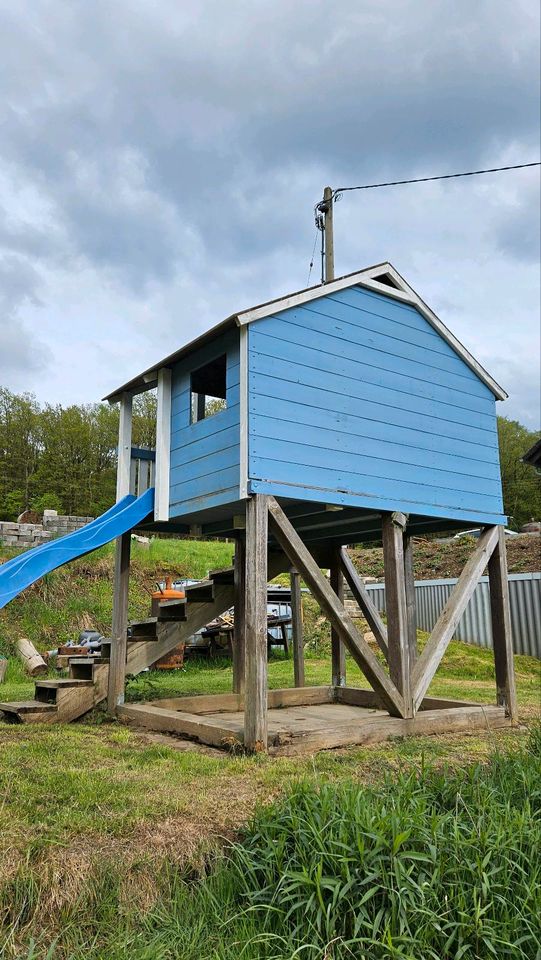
(300, 556)
(502, 638)
(33, 661)
(338, 650)
(448, 621)
(3, 668)
(395, 597)
(364, 601)
(255, 710)
(239, 604)
(297, 627)
(411, 614)
(119, 636)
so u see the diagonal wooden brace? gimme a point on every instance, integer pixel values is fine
(295, 549)
(365, 602)
(448, 621)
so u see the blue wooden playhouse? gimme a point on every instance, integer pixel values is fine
(341, 414)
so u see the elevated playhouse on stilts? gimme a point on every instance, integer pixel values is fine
(341, 414)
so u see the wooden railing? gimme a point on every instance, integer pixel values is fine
(142, 470)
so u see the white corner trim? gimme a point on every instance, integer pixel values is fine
(404, 293)
(124, 447)
(243, 486)
(163, 445)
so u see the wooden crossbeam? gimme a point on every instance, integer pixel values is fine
(448, 621)
(364, 601)
(302, 559)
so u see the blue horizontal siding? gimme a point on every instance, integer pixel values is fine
(416, 433)
(330, 495)
(358, 394)
(205, 456)
(388, 386)
(321, 437)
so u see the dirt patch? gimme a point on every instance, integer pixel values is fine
(433, 560)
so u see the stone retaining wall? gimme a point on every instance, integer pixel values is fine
(32, 534)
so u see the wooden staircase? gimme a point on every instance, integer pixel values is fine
(62, 700)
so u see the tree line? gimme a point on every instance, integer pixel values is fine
(64, 458)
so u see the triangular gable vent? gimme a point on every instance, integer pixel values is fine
(387, 279)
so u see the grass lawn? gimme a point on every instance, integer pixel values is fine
(77, 800)
(98, 822)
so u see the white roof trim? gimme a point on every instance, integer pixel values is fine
(402, 292)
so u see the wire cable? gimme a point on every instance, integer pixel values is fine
(445, 176)
(312, 259)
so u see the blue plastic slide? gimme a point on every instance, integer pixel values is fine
(20, 572)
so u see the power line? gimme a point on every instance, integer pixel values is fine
(312, 259)
(445, 176)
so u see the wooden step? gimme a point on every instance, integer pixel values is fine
(200, 592)
(25, 707)
(223, 576)
(172, 610)
(64, 682)
(143, 629)
(82, 668)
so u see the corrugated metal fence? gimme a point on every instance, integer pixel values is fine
(475, 627)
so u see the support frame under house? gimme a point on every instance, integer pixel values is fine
(346, 413)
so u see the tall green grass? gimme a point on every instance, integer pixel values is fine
(429, 865)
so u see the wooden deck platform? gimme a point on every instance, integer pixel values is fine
(307, 719)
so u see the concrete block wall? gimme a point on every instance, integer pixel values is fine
(59, 525)
(32, 534)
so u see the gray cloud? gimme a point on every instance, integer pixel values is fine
(21, 350)
(172, 152)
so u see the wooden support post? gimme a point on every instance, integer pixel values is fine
(297, 628)
(240, 626)
(338, 650)
(502, 637)
(300, 556)
(393, 526)
(121, 579)
(119, 635)
(255, 699)
(411, 617)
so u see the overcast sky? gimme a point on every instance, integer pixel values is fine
(160, 161)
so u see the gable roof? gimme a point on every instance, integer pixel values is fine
(381, 278)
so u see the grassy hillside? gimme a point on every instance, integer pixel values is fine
(79, 595)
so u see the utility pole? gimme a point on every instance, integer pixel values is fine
(327, 208)
(324, 223)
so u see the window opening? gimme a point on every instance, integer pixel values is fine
(208, 389)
